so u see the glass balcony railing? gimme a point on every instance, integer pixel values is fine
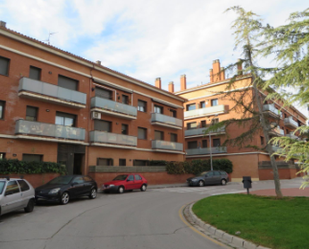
(206, 151)
(205, 111)
(112, 138)
(110, 105)
(290, 122)
(26, 127)
(202, 131)
(272, 108)
(50, 90)
(164, 119)
(166, 145)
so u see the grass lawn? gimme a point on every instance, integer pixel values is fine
(267, 221)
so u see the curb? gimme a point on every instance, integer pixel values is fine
(217, 234)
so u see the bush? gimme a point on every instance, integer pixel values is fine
(8, 166)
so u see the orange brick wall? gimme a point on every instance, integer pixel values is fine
(36, 180)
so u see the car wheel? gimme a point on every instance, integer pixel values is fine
(30, 206)
(93, 193)
(65, 198)
(120, 189)
(143, 187)
(223, 182)
(200, 183)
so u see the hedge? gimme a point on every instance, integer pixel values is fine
(197, 166)
(8, 166)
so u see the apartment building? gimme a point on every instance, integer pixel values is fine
(207, 104)
(59, 107)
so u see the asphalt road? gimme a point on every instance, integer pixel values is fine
(150, 219)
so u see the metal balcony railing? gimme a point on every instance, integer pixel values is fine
(272, 108)
(202, 131)
(290, 122)
(26, 127)
(50, 90)
(164, 119)
(110, 105)
(166, 145)
(112, 138)
(205, 111)
(206, 151)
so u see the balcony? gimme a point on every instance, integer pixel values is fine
(108, 139)
(272, 110)
(161, 146)
(208, 111)
(114, 108)
(290, 122)
(36, 89)
(206, 151)
(292, 136)
(203, 131)
(37, 129)
(167, 121)
(277, 132)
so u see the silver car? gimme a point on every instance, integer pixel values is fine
(15, 194)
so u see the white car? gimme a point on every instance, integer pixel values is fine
(15, 194)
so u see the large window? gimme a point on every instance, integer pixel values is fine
(173, 113)
(68, 83)
(35, 73)
(32, 113)
(32, 158)
(2, 105)
(125, 99)
(158, 109)
(141, 106)
(101, 125)
(103, 93)
(191, 107)
(124, 129)
(2, 155)
(4, 66)
(192, 125)
(204, 143)
(142, 133)
(216, 142)
(140, 162)
(105, 162)
(159, 135)
(214, 102)
(65, 119)
(173, 137)
(202, 104)
(192, 145)
(122, 162)
(203, 123)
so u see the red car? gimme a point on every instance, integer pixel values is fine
(125, 182)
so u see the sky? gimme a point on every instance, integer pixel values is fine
(143, 39)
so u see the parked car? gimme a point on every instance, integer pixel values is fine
(15, 194)
(209, 178)
(63, 188)
(125, 182)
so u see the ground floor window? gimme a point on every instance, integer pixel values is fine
(32, 158)
(122, 162)
(2, 155)
(140, 162)
(105, 162)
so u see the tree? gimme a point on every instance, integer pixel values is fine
(249, 99)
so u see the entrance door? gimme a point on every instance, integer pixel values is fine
(72, 156)
(77, 166)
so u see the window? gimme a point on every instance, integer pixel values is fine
(124, 129)
(101, 125)
(4, 66)
(191, 107)
(32, 158)
(122, 162)
(125, 99)
(159, 135)
(2, 155)
(65, 119)
(105, 162)
(192, 145)
(12, 188)
(173, 137)
(68, 83)
(214, 121)
(216, 142)
(141, 106)
(2, 105)
(140, 162)
(23, 185)
(202, 104)
(31, 113)
(173, 113)
(203, 123)
(138, 177)
(158, 109)
(262, 140)
(204, 143)
(103, 93)
(78, 180)
(130, 178)
(214, 102)
(142, 133)
(35, 73)
(191, 125)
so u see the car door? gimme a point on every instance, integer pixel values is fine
(209, 178)
(87, 184)
(78, 187)
(12, 197)
(217, 177)
(130, 182)
(138, 181)
(26, 194)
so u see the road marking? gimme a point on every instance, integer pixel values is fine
(197, 231)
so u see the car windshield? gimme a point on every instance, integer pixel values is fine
(60, 180)
(120, 177)
(202, 173)
(2, 183)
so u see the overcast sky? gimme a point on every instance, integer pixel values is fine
(143, 39)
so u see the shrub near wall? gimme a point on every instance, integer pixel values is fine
(197, 166)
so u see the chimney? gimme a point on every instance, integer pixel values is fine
(158, 83)
(211, 76)
(183, 82)
(98, 62)
(171, 87)
(239, 67)
(222, 73)
(2, 24)
(216, 70)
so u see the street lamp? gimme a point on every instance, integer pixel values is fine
(210, 152)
